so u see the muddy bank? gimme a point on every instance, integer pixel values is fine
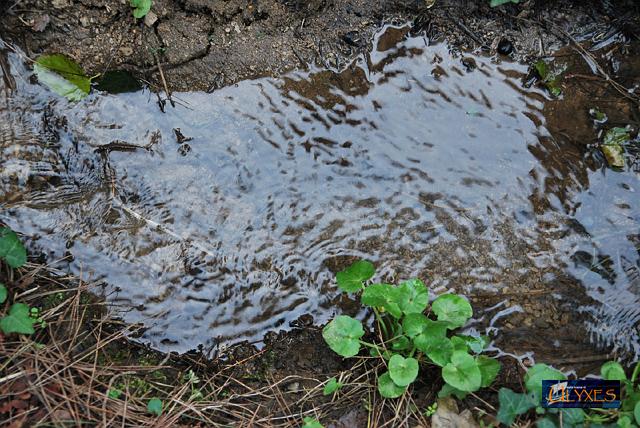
(207, 44)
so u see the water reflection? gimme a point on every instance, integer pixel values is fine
(427, 163)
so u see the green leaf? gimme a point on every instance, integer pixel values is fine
(453, 309)
(413, 296)
(477, 344)
(625, 422)
(495, 3)
(154, 406)
(332, 386)
(448, 390)
(545, 423)
(382, 296)
(459, 344)
(3, 293)
(612, 146)
(310, 422)
(612, 370)
(438, 349)
(63, 76)
(352, 278)
(141, 8)
(489, 369)
(342, 335)
(536, 374)
(18, 320)
(11, 249)
(114, 393)
(636, 413)
(387, 388)
(462, 372)
(401, 343)
(415, 325)
(402, 370)
(542, 69)
(512, 405)
(571, 417)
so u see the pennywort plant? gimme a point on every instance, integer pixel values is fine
(513, 405)
(413, 334)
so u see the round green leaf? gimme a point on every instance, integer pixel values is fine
(382, 296)
(462, 372)
(387, 388)
(489, 369)
(536, 374)
(351, 279)
(401, 343)
(310, 422)
(413, 296)
(475, 343)
(438, 349)
(402, 370)
(155, 406)
(141, 8)
(612, 370)
(453, 309)
(342, 335)
(18, 320)
(63, 76)
(11, 249)
(3, 293)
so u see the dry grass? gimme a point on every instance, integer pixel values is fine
(62, 375)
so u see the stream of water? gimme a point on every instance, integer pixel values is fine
(426, 162)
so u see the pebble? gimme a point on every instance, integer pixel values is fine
(505, 47)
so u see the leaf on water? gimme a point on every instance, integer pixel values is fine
(536, 374)
(612, 370)
(462, 372)
(403, 371)
(489, 369)
(155, 406)
(382, 296)
(118, 82)
(11, 249)
(332, 386)
(453, 309)
(3, 293)
(387, 388)
(512, 405)
(63, 76)
(352, 278)
(18, 320)
(413, 296)
(342, 335)
(612, 146)
(141, 7)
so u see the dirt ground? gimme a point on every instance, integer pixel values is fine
(206, 44)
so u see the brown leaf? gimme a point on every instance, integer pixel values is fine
(13, 405)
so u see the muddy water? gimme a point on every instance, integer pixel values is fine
(428, 163)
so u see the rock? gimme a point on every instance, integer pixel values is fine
(150, 19)
(126, 51)
(447, 416)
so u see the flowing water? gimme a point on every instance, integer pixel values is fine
(234, 213)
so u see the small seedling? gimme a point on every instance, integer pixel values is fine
(309, 422)
(155, 406)
(410, 338)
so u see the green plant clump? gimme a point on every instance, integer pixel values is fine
(513, 404)
(411, 339)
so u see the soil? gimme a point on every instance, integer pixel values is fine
(206, 44)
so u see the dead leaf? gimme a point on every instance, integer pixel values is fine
(40, 23)
(13, 405)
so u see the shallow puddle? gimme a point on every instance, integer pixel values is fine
(234, 213)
